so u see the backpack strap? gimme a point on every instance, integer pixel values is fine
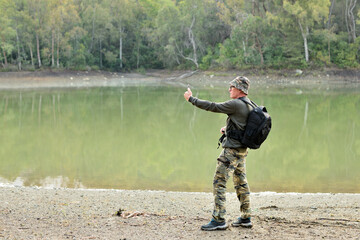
(246, 100)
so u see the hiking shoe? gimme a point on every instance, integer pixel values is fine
(214, 225)
(242, 222)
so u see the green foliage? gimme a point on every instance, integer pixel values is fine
(346, 55)
(124, 35)
(207, 60)
(229, 55)
(79, 58)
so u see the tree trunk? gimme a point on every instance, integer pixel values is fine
(38, 49)
(24, 52)
(244, 48)
(265, 10)
(329, 26)
(349, 19)
(5, 58)
(256, 8)
(306, 49)
(258, 43)
(253, 7)
(31, 54)
(346, 19)
(100, 53)
(52, 48)
(58, 50)
(120, 49)
(93, 30)
(352, 19)
(192, 40)
(330, 12)
(329, 50)
(138, 55)
(18, 49)
(304, 35)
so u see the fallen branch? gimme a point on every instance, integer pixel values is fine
(123, 214)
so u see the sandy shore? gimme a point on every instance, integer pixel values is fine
(39, 213)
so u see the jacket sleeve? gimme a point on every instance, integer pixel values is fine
(227, 107)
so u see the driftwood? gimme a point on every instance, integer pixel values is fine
(123, 214)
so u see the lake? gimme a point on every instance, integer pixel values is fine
(149, 137)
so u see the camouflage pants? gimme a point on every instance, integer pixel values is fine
(231, 161)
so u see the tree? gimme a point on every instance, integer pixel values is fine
(232, 12)
(7, 33)
(38, 11)
(194, 15)
(122, 15)
(64, 18)
(193, 44)
(136, 34)
(306, 13)
(166, 34)
(350, 19)
(329, 32)
(183, 31)
(259, 31)
(74, 50)
(251, 33)
(15, 11)
(28, 36)
(95, 19)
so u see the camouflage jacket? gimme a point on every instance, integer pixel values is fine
(236, 110)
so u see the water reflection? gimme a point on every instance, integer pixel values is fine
(148, 137)
(48, 182)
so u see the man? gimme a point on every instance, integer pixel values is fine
(232, 157)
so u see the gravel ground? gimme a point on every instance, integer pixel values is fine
(40, 213)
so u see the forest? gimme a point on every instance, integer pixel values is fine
(136, 35)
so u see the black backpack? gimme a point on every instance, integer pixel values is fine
(257, 127)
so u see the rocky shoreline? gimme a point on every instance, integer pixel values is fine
(58, 213)
(81, 79)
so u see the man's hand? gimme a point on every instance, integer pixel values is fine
(222, 130)
(187, 94)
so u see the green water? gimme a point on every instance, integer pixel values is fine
(148, 137)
